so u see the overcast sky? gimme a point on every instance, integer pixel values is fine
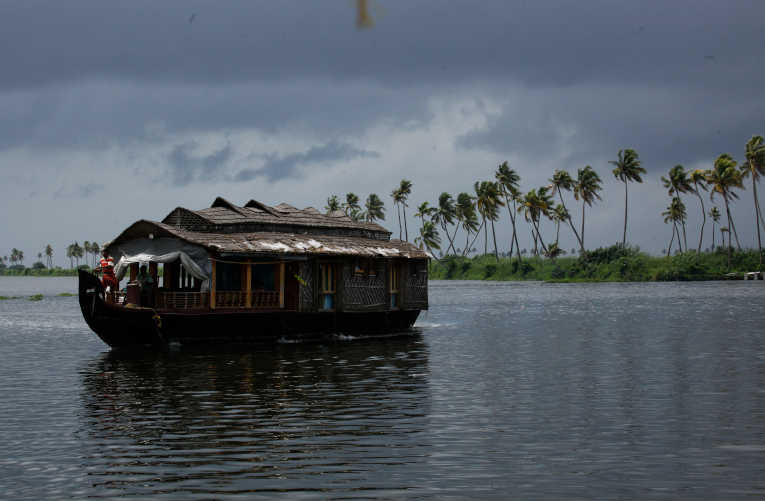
(112, 112)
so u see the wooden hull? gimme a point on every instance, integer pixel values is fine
(120, 326)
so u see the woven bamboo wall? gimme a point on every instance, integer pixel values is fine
(416, 288)
(364, 292)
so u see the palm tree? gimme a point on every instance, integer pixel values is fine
(429, 237)
(70, 255)
(535, 204)
(375, 209)
(714, 213)
(466, 215)
(698, 178)
(77, 253)
(559, 213)
(424, 210)
(723, 178)
(755, 166)
(553, 251)
(397, 199)
(49, 254)
(95, 249)
(676, 214)
(586, 189)
(86, 249)
(676, 184)
(333, 204)
(404, 190)
(561, 181)
(351, 206)
(508, 181)
(444, 215)
(627, 169)
(487, 203)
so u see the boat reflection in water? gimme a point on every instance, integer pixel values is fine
(335, 417)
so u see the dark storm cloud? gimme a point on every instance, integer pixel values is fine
(97, 114)
(551, 43)
(186, 167)
(587, 124)
(278, 167)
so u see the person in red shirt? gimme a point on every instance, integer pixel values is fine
(106, 267)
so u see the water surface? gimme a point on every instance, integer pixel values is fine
(503, 390)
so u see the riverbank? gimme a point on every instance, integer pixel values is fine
(610, 264)
(37, 272)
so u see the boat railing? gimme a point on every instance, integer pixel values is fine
(182, 300)
(238, 299)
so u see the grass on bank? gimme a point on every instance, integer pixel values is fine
(609, 264)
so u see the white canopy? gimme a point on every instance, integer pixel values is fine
(164, 250)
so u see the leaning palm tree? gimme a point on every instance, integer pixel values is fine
(723, 178)
(333, 204)
(587, 190)
(404, 190)
(698, 178)
(714, 213)
(397, 197)
(428, 237)
(444, 215)
(508, 181)
(488, 202)
(755, 166)
(424, 210)
(627, 169)
(677, 183)
(562, 181)
(374, 209)
(535, 204)
(675, 213)
(467, 217)
(560, 214)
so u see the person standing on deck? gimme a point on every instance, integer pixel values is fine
(108, 278)
(146, 282)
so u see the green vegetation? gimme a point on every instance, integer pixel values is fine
(3, 298)
(67, 294)
(36, 297)
(609, 264)
(20, 271)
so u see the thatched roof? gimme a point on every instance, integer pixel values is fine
(274, 243)
(254, 216)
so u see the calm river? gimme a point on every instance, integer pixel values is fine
(509, 390)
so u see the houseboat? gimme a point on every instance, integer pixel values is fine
(252, 273)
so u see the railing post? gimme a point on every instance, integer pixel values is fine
(212, 286)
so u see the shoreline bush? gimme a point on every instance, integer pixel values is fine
(616, 263)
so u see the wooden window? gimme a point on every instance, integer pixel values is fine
(371, 268)
(394, 286)
(328, 284)
(360, 267)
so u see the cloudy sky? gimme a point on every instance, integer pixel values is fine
(112, 112)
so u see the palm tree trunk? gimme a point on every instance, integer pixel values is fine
(541, 242)
(477, 234)
(624, 237)
(398, 209)
(406, 230)
(494, 236)
(485, 237)
(703, 220)
(727, 210)
(515, 234)
(451, 242)
(757, 218)
(713, 236)
(467, 238)
(669, 249)
(570, 222)
(735, 233)
(685, 238)
(582, 234)
(534, 236)
(557, 231)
